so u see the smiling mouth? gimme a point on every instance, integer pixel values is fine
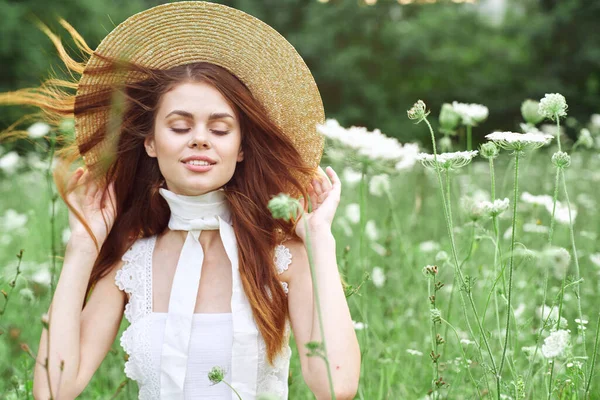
(200, 163)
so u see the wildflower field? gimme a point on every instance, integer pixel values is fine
(472, 260)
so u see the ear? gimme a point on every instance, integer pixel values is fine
(240, 156)
(149, 145)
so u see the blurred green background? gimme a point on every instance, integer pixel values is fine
(373, 59)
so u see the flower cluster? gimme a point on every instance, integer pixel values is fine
(556, 344)
(470, 114)
(519, 142)
(495, 208)
(529, 111)
(418, 111)
(447, 161)
(553, 106)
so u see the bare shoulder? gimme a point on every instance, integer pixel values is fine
(295, 251)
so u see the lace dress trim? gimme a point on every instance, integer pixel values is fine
(135, 279)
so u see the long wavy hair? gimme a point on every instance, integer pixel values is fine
(271, 165)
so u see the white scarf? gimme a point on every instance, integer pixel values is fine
(194, 214)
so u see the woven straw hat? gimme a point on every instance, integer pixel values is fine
(192, 31)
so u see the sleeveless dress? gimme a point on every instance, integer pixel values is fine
(210, 342)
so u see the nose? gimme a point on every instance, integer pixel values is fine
(200, 138)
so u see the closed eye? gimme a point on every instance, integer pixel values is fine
(188, 129)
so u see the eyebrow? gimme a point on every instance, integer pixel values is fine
(188, 115)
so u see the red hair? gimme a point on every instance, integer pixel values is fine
(271, 165)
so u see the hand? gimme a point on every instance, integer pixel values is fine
(85, 197)
(324, 197)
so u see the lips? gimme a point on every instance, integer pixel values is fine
(199, 158)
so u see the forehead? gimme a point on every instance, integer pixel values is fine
(194, 97)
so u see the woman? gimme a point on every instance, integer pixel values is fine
(189, 118)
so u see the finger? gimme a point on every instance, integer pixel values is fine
(326, 182)
(91, 188)
(72, 182)
(313, 202)
(335, 180)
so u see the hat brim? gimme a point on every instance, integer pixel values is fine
(193, 31)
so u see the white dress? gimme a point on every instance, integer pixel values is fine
(210, 342)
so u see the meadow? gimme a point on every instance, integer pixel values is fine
(438, 259)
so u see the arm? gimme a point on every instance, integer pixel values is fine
(78, 338)
(343, 351)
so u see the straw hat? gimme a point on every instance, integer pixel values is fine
(192, 31)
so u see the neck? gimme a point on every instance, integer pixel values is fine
(197, 213)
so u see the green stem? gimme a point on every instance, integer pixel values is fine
(318, 305)
(558, 131)
(577, 272)
(560, 306)
(589, 381)
(396, 223)
(511, 263)
(449, 227)
(448, 324)
(546, 270)
(234, 391)
(53, 199)
(469, 148)
(434, 346)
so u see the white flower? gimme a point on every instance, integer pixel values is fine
(359, 326)
(471, 114)
(595, 259)
(519, 141)
(374, 145)
(553, 105)
(585, 138)
(535, 228)
(496, 208)
(371, 230)
(9, 162)
(541, 200)
(561, 213)
(595, 120)
(379, 185)
(408, 158)
(555, 344)
(12, 220)
(353, 213)
(414, 352)
(429, 246)
(42, 277)
(454, 160)
(378, 277)
(38, 130)
(560, 259)
(351, 176)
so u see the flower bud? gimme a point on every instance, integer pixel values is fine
(489, 150)
(216, 375)
(449, 119)
(283, 206)
(553, 106)
(585, 139)
(436, 315)
(418, 111)
(529, 111)
(561, 159)
(446, 144)
(441, 256)
(430, 270)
